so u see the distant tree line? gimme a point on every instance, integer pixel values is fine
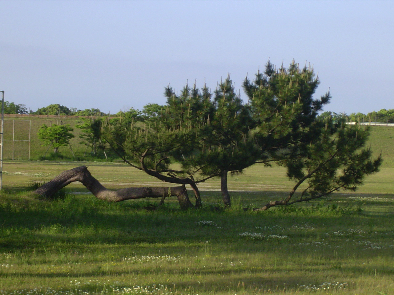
(382, 116)
(149, 110)
(13, 108)
(60, 110)
(152, 110)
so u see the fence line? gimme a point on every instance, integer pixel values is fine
(371, 124)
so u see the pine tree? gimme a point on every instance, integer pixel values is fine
(210, 135)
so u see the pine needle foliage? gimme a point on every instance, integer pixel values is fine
(206, 135)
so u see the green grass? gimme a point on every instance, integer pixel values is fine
(382, 142)
(81, 245)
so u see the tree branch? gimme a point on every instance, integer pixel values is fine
(300, 181)
(177, 180)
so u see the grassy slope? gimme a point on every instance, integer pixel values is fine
(382, 142)
(19, 149)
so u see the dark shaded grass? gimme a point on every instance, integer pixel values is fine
(129, 223)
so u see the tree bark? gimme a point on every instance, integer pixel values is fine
(83, 175)
(223, 187)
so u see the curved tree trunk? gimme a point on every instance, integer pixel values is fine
(83, 175)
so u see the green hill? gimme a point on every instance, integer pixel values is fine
(20, 136)
(381, 142)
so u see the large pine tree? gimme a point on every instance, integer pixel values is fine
(198, 135)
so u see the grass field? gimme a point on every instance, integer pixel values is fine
(84, 246)
(81, 245)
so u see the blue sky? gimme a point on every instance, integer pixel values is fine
(114, 55)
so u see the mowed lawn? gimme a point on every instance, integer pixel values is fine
(82, 245)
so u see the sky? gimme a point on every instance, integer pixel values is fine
(115, 55)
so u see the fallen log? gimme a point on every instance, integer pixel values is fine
(83, 175)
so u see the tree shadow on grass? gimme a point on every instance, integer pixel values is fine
(81, 220)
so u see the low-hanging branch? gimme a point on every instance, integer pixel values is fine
(289, 201)
(83, 175)
(159, 175)
(170, 179)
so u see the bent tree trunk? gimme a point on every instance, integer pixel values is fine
(83, 175)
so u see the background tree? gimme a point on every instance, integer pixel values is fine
(383, 116)
(89, 113)
(151, 111)
(54, 109)
(55, 135)
(12, 108)
(91, 135)
(129, 116)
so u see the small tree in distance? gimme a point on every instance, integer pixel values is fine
(91, 135)
(55, 135)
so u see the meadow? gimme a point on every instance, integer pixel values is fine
(78, 244)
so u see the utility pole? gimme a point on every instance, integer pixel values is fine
(2, 139)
